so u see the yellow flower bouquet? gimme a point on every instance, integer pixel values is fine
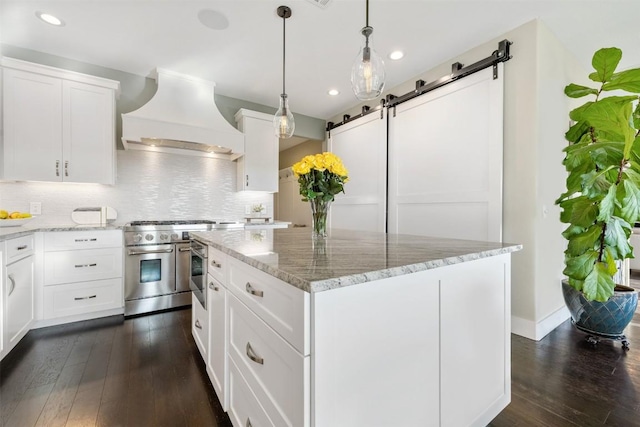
(321, 177)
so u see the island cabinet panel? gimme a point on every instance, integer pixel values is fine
(375, 352)
(284, 307)
(277, 374)
(244, 408)
(217, 355)
(200, 326)
(475, 345)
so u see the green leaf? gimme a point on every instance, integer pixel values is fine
(611, 115)
(607, 205)
(580, 267)
(581, 243)
(610, 261)
(595, 183)
(577, 113)
(616, 237)
(606, 154)
(576, 131)
(628, 80)
(578, 211)
(598, 285)
(636, 117)
(577, 91)
(572, 230)
(605, 62)
(631, 202)
(576, 284)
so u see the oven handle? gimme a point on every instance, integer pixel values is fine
(184, 249)
(198, 253)
(158, 251)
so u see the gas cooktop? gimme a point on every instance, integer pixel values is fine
(172, 222)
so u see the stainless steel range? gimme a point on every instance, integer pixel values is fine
(157, 262)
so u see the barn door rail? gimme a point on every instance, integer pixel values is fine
(458, 71)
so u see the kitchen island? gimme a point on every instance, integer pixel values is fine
(359, 329)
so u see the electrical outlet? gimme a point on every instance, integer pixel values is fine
(35, 208)
(247, 209)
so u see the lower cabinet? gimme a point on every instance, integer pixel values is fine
(200, 326)
(217, 356)
(80, 298)
(17, 297)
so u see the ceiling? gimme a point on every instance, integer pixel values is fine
(245, 58)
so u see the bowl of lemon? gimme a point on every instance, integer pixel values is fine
(14, 219)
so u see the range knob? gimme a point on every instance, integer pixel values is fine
(164, 236)
(175, 236)
(149, 237)
(137, 238)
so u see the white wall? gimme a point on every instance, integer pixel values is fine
(149, 186)
(535, 119)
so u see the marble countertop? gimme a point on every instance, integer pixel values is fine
(7, 233)
(345, 257)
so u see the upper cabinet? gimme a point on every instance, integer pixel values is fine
(59, 125)
(258, 168)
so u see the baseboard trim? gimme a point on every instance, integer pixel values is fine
(44, 323)
(536, 331)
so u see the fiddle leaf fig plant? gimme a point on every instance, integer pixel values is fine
(602, 198)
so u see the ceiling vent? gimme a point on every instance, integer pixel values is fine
(323, 4)
(182, 118)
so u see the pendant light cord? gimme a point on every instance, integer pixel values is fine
(284, 38)
(367, 20)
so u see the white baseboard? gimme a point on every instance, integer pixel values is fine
(43, 323)
(536, 331)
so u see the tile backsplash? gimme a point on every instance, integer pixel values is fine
(149, 186)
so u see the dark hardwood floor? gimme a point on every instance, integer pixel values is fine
(146, 371)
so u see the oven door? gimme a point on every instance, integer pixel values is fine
(198, 272)
(149, 271)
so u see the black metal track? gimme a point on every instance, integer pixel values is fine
(458, 71)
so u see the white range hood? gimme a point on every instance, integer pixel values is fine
(182, 118)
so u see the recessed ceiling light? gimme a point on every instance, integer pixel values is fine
(213, 19)
(50, 19)
(333, 92)
(396, 54)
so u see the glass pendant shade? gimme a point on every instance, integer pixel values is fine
(283, 121)
(367, 73)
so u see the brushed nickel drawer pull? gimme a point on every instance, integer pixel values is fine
(198, 325)
(20, 248)
(214, 287)
(13, 284)
(248, 423)
(81, 298)
(86, 240)
(159, 251)
(86, 265)
(66, 168)
(215, 264)
(253, 356)
(57, 167)
(252, 291)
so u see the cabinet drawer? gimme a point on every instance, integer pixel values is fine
(282, 306)
(217, 264)
(244, 409)
(81, 266)
(19, 248)
(69, 240)
(200, 326)
(273, 369)
(80, 298)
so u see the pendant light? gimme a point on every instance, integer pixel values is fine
(283, 121)
(367, 73)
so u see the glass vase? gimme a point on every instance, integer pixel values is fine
(319, 213)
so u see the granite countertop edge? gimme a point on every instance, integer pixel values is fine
(7, 233)
(354, 279)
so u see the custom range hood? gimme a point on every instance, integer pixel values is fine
(182, 118)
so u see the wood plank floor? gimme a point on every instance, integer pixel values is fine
(146, 371)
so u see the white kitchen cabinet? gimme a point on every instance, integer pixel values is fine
(82, 275)
(59, 125)
(217, 367)
(258, 168)
(17, 291)
(200, 326)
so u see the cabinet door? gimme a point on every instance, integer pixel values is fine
(217, 356)
(258, 168)
(32, 126)
(88, 125)
(19, 300)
